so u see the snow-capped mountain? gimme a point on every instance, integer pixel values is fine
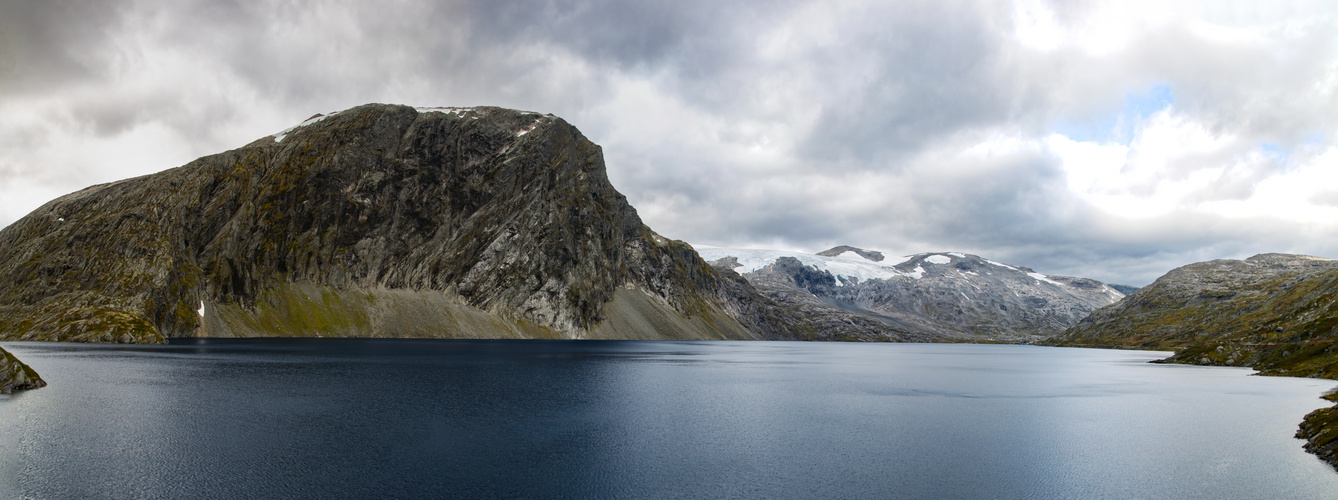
(946, 294)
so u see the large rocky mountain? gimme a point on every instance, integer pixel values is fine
(380, 220)
(931, 296)
(1277, 313)
(16, 376)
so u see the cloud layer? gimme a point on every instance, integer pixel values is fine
(1110, 140)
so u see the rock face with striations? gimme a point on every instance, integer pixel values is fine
(933, 296)
(378, 221)
(16, 376)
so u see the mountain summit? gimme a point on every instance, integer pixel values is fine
(843, 250)
(376, 221)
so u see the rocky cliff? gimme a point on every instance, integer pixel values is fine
(16, 376)
(376, 221)
(1277, 313)
(928, 297)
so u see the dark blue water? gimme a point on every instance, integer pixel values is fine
(414, 418)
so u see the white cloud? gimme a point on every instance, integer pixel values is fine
(1302, 196)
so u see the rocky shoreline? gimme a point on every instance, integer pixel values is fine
(1320, 429)
(16, 376)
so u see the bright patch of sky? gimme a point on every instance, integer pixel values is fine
(1119, 126)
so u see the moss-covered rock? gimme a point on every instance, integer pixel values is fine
(16, 376)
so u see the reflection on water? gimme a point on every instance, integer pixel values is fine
(302, 418)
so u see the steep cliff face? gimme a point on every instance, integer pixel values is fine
(933, 296)
(16, 376)
(375, 221)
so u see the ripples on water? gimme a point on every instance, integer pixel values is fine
(289, 418)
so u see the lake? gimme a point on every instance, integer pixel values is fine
(328, 418)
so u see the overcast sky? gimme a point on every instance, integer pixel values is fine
(1111, 140)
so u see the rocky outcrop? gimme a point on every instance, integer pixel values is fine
(376, 221)
(838, 251)
(1276, 313)
(928, 297)
(1320, 431)
(16, 376)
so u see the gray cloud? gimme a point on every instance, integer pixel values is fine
(47, 43)
(907, 127)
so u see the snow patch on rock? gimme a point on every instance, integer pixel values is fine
(1000, 264)
(279, 136)
(444, 109)
(851, 255)
(853, 269)
(1042, 277)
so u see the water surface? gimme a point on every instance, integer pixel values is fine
(301, 418)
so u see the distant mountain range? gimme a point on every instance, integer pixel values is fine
(948, 296)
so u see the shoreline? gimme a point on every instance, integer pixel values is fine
(1319, 428)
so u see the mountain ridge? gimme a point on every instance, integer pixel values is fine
(373, 221)
(945, 296)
